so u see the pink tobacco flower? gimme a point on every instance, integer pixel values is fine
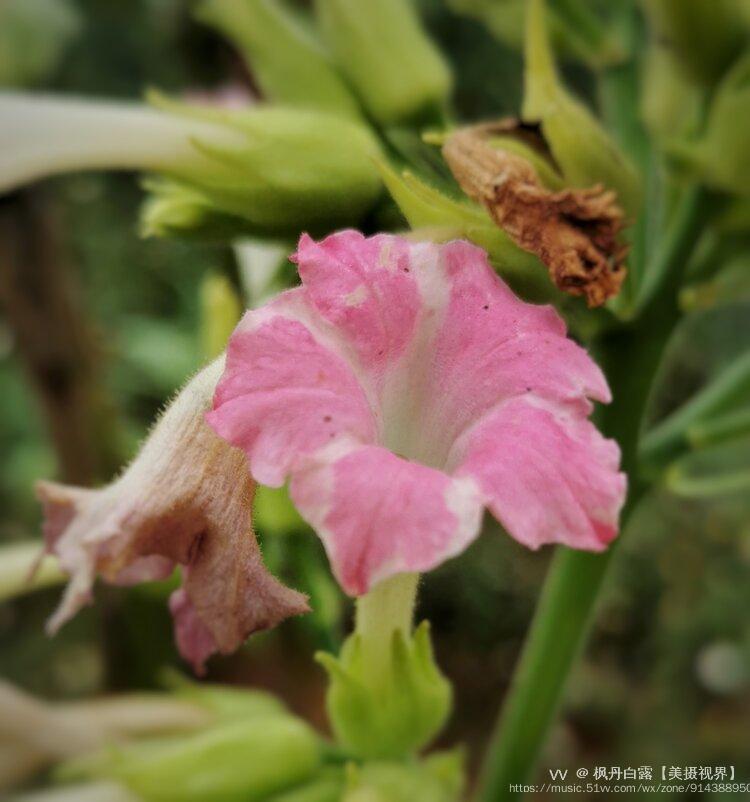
(402, 389)
(185, 500)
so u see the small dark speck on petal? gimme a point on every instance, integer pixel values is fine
(528, 389)
(486, 306)
(327, 418)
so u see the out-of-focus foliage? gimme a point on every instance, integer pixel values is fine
(33, 38)
(575, 27)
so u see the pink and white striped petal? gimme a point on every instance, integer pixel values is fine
(545, 474)
(288, 389)
(366, 289)
(380, 515)
(403, 386)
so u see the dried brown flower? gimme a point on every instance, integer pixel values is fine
(572, 231)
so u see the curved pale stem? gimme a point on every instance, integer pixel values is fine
(43, 135)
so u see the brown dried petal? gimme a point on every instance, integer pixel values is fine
(187, 500)
(573, 231)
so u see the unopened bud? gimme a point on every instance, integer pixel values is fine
(326, 786)
(282, 170)
(245, 759)
(382, 48)
(225, 702)
(584, 152)
(286, 61)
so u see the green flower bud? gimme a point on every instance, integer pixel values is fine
(278, 170)
(388, 58)
(703, 36)
(584, 152)
(722, 157)
(240, 761)
(288, 63)
(440, 778)
(33, 35)
(392, 709)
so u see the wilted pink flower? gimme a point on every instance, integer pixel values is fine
(186, 500)
(402, 388)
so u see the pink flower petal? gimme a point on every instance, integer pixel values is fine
(364, 287)
(491, 346)
(380, 515)
(286, 391)
(548, 476)
(395, 364)
(193, 637)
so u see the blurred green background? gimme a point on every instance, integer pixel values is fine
(666, 677)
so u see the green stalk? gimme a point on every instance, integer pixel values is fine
(687, 425)
(388, 607)
(630, 357)
(721, 428)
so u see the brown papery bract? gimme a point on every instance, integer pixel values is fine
(572, 231)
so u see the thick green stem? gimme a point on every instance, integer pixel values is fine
(630, 357)
(388, 607)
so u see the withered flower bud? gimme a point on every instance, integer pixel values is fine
(573, 231)
(185, 500)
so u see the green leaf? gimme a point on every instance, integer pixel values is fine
(712, 472)
(583, 150)
(730, 388)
